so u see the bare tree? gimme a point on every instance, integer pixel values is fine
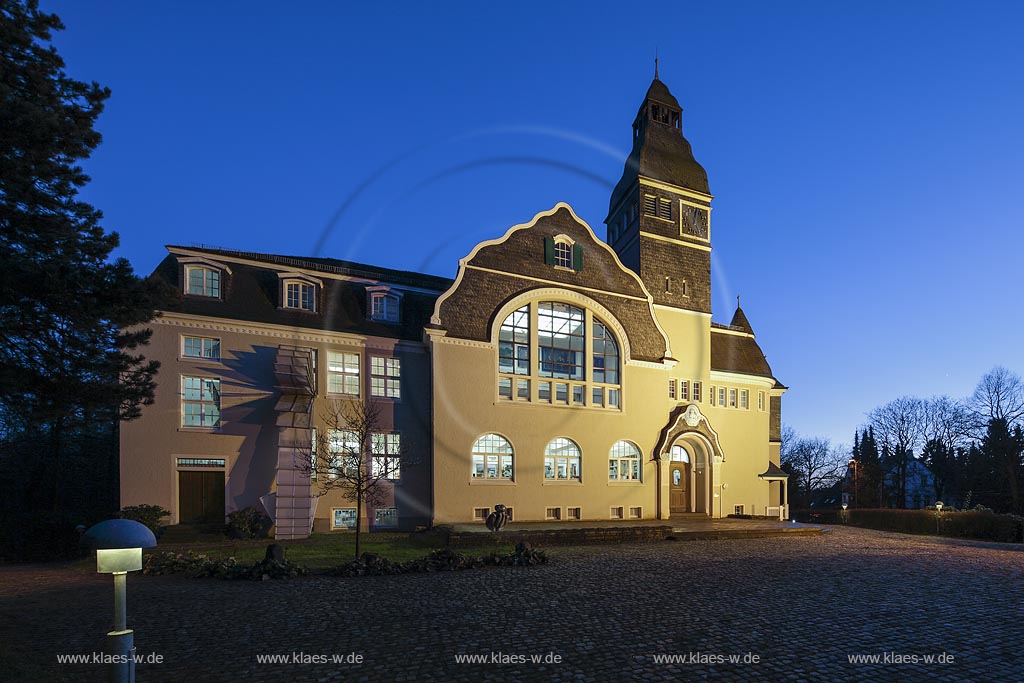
(815, 463)
(998, 396)
(949, 424)
(355, 455)
(900, 426)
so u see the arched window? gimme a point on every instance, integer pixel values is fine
(562, 459)
(202, 281)
(624, 462)
(567, 366)
(679, 454)
(492, 457)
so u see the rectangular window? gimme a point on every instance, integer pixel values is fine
(711, 395)
(616, 512)
(386, 450)
(732, 398)
(202, 281)
(480, 514)
(344, 452)
(523, 389)
(672, 389)
(553, 513)
(544, 391)
(721, 396)
(563, 254)
(201, 347)
(636, 512)
(385, 517)
(300, 295)
(598, 397)
(384, 307)
(385, 377)
(200, 402)
(760, 400)
(684, 390)
(343, 518)
(613, 398)
(696, 392)
(514, 343)
(577, 394)
(744, 399)
(561, 392)
(561, 333)
(200, 462)
(737, 510)
(573, 513)
(505, 388)
(343, 373)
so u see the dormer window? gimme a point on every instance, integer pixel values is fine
(563, 253)
(299, 292)
(384, 305)
(202, 276)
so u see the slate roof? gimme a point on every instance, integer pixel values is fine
(737, 353)
(774, 471)
(252, 292)
(740, 322)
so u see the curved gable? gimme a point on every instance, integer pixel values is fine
(497, 271)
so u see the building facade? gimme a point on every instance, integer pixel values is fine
(566, 377)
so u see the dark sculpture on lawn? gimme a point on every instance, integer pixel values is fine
(497, 519)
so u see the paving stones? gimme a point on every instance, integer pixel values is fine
(801, 604)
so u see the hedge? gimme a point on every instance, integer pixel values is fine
(982, 526)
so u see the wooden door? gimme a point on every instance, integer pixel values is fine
(679, 494)
(200, 496)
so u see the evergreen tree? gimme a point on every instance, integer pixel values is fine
(69, 315)
(1001, 460)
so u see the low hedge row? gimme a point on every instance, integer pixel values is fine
(445, 559)
(194, 566)
(977, 525)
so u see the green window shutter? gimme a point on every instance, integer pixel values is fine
(577, 257)
(549, 251)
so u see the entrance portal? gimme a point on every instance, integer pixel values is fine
(201, 497)
(679, 481)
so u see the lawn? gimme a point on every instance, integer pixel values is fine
(319, 551)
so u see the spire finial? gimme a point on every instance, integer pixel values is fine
(655, 63)
(737, 301)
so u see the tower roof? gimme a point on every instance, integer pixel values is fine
(660, 152)
(739, 320)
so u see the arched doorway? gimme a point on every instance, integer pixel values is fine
(680, 469)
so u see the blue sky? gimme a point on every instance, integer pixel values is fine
(866, 158)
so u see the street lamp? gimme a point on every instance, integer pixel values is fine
(845, 505)
(853, 464)
(119, 544)
(938, 517)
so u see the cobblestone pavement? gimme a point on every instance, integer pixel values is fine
(800, 604)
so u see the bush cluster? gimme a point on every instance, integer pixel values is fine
(248, 523)
(150, 515)
(369, 564)
(982, 525)
(194, 566)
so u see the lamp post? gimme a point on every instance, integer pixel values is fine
(119, 544)
(853, 464)
(938, 517)
(845, 517)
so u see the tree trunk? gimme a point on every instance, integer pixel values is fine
(359, 519)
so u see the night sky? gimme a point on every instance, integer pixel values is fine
(865, 158)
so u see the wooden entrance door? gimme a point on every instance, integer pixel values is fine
(200, 496)
(679, 494)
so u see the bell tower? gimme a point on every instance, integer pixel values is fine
(659, 214)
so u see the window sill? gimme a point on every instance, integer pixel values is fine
(200, 430)
(200, 359)
(297, 310)
(628, 482)
(565, 268)
(563, 482)
(388, 399)
(492, 482)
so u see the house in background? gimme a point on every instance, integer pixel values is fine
(565, 376)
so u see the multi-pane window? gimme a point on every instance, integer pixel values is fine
(300, 295)
(200, 402)
(385, 517)
(561, 337)
(760, 400)
(385, 377)
(563, 254)
(684, 390)
(624, 462)
(384, 307)
(201, 347)
(492, 457)
(202, 281)
(721, 396)
(732, 398)
(343, 373)
(386, 450)
(345, 451)
(344, 518)
(744, 399)
(564, 360)
(562, 459)
(697, 392)
(672, 389)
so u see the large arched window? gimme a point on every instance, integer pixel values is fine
(492, 457)
(624, 462)
(545, 355)
(562, 459)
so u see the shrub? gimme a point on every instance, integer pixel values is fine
(983, 524)
(248, 523)
(150, 515)
(194, 566)
(445, 559)
(40, 536)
